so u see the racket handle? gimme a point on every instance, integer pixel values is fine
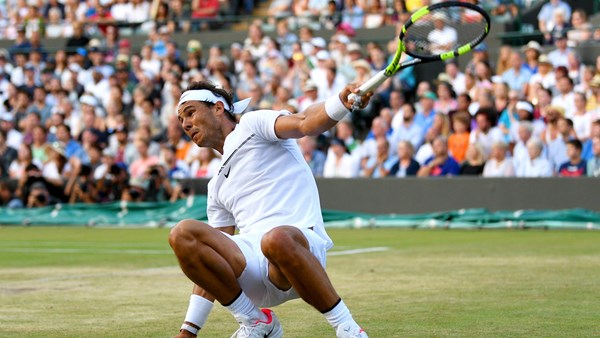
(367, 87)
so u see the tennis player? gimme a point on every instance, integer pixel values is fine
(266, 190)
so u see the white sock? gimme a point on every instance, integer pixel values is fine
(338, 315)
(244, 311)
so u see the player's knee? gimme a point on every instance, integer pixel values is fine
(282, 241)
(183, 235)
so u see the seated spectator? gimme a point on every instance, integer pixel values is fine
(559, 56)
(353, 14)
(582, 119)
(458, 142)
(532, 51)
(455, 77)
(498, 165)
(140, 166)
(518, 75)
(39, 196)
(446, 101)
(7, 155)
(8, 198)
(443, 37)
(206, 164)
(575, 166)
(339, 162)
(345, 132)
(57, 165)
(408, 130)
(441, 163)
(158, 184)
(536, 165)
(380, 165)
(375, 16)
(474, 161)
(425, 111)
(330, 17)
(485, 134)
(175, 168)
(581, 28)
(313, 157)
(560, 26)
(593, 168)
(546, 15)
(406, 165)
(557, 148)
(587, 153)
(545, 74)
(81, 187)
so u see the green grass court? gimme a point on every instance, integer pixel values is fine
(87, 282)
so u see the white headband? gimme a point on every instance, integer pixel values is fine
(205, 95)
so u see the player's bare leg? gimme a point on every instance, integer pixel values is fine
(208, 258)
(293, 265)
(214, 262)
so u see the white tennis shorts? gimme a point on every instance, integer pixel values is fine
(254, 280)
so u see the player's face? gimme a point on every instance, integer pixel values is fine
(199, 122)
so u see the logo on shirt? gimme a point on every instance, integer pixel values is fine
(227, 173)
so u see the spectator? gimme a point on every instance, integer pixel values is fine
(175, 168)
(408, 130)
(575, 166)
(582, 119)
(560, 26)
(559, 56)
(566, 97)
(375, 16)
(39, 196)
(345, 132)
(458, 142)
(8, 198)
(532, 51)
(581, 28)
(456, 77)
(587, 152)
(142, 165)
(441, 163)
(353, 14)
(406, 165)
(517, 76)
(503, 61)
(498, 165)
(17, 168)
(314, 157)
(81, 188)
(443, 37)
(7, 155)
(206, 164)
(204, 13)
(56, 165)
(474, 161)
(545, 74)
(426, 113)
(380, 165)
(331, 17)
(593, 168)
(536, 165)
(546, 15)
(557, 148)
(158, 183)
(446, 101)
(485, 134)
(339, 162)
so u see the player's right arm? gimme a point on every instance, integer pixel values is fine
(319, 117)
(200, 292)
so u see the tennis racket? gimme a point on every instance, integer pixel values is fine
(434, 33)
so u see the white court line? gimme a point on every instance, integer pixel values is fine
(155, 252)
(357, 251)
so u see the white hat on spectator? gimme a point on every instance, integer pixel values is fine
(533, 45)
(524, 105)
(74, 67)
(122, 58)
(323, 55)
(89, 100)
(309, 85)
(497, 79)
(94, 43)
(353, 47)
(8, 117)
(319, 42)
(543, 59)
(109, 152)
(342, 39)
(361, 63)
(194, 46)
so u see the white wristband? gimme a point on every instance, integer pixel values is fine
(335, 109)
(190, 329)
(198, 311)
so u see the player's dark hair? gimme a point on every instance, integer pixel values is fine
(217, 91)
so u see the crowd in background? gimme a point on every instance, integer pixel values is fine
(95, 121)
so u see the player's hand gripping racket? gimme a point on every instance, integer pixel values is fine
(433, 33)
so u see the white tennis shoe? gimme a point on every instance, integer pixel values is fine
(350, 330)
(270, 328)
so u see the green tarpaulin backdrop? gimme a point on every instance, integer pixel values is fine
(167, 214)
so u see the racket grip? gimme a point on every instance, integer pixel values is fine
(367, 87)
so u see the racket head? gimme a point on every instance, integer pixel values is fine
(444, 30)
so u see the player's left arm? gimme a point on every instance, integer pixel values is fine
(319, 117)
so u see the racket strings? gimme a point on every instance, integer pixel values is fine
(442, 31)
